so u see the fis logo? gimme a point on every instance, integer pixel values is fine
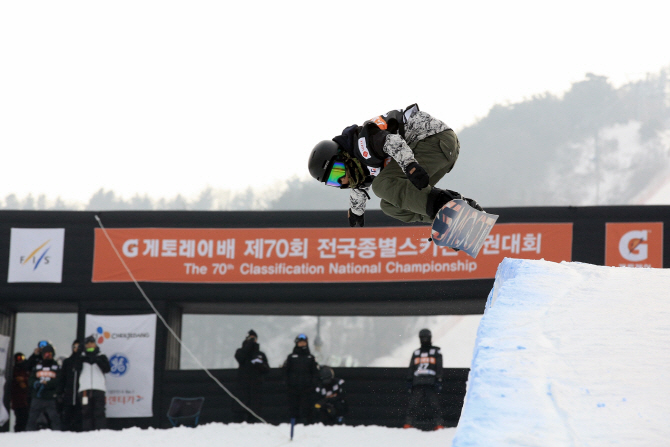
(37, 256)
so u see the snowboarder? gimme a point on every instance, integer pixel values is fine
(424, 380)
(253, 366)
(302, 374)
(401, 155)
(331, 405)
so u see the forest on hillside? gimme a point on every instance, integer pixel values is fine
(593, 145)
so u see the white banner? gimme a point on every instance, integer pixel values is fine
(36, 255)
(4, 348)
(129, 342)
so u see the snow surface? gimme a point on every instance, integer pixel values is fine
(566, 354)
(571, 354)
(234, 435)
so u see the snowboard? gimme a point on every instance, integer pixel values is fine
(461, 227)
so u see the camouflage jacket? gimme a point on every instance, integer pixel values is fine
(398, 129)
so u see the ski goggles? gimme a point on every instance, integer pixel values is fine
(337, 172)
(42, 344)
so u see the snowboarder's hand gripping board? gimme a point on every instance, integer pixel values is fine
(459, 226)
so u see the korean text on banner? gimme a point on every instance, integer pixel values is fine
(129, 342)
(301, 255)
(4, 352)
(36, 255)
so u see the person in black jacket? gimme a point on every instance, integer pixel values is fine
(45, 383)
(20, 392)
(424, 380)
(71, 415)
(302, 374)
(331, 405)
(253, 365)
(92, 366)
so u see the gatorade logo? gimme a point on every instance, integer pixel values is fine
(638, 244)
(633, 246)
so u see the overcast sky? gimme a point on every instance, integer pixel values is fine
(167, 97)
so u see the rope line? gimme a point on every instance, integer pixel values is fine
(174, 334)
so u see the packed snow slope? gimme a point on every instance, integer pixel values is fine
(571, 354)
(235, 435)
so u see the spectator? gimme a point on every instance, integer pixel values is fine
(331, 405)
(71, 413)
(45, 383)
(36, 356)
(20, 392)
(302, 373)
(92, 366)
(253, 366)
(424, 380)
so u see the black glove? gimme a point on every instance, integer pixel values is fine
(356, 219)
(417, 175)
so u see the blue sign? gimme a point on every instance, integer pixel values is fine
(119, 364)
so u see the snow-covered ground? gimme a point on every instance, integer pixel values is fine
(571, 354)
(235, 435)
(566, 354)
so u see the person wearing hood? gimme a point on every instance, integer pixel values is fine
(71, 415)
(253, 366)
(400, 155)
(302, 372)
(424, 380)
(91, 367)
(46, 387)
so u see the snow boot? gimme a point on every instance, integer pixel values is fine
(437, 198)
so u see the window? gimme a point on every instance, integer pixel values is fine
(341, 341)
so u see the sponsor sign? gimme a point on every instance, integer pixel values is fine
(635, 244)
(363, 148)
(129, 343)
(4, 351)
(301, 255)
(36, 255)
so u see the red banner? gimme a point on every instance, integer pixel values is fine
(304, 255)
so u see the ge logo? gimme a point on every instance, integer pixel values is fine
(118, 364)
(633, 246)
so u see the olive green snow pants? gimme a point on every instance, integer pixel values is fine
(400, 199)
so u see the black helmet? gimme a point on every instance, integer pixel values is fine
(326, 374)
(425, 333)
(320, 159)
(425, 336)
